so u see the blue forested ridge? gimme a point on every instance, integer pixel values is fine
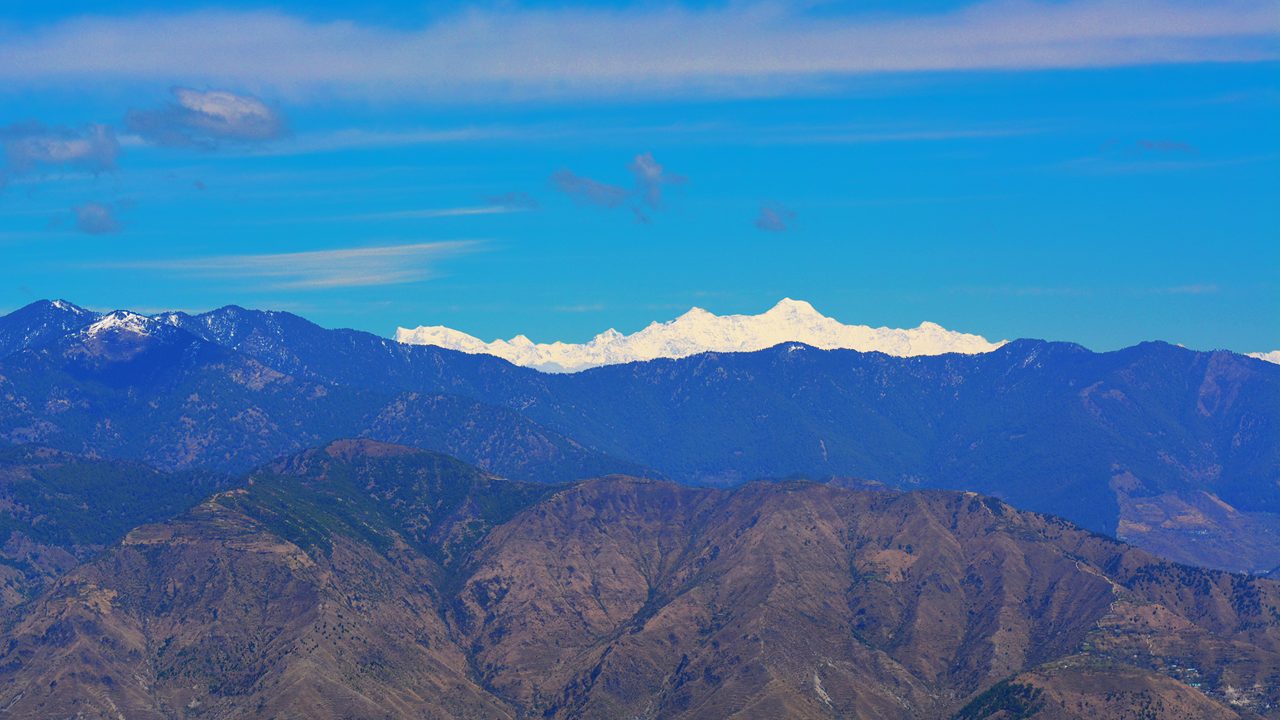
(1046, 425)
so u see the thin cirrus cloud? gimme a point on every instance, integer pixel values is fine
(1194, 289)
(206, 119)
(429, 213)
(317, 269)
(360, 139)
(1086, 291)
(734, 48)
(515, 201)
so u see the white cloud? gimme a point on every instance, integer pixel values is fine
(1271, 357)
(206, 118)
(735, 48)
(319, 269)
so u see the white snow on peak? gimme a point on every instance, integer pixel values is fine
(121, 321)
(1271, 357)
(699, 331)
(71, 308)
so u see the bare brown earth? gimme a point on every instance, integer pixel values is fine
(370, 581)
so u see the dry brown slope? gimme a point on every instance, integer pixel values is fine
(811, 601)
(366, 580)
(211, 616)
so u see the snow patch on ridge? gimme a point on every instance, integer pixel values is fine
(699, 331)
(67, 307)
(121, 321)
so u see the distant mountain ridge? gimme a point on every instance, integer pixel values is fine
(698, 331)
(1174, 450)
(123, 385)
(39, 323)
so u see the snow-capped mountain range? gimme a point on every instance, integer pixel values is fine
(699, 331)
(694, 332)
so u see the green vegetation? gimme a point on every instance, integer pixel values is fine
(1006, 700)
(59, 499)
(441, 506)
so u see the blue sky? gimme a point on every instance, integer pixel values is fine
(1097, 171)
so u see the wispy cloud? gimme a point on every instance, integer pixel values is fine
(1085, 291)
(733, 48)
(30, 146)
(583, 308)
(358, 139)
(96, 219)
(515, 201)
(1026, 290)
(318, 269)
(428, 213)
(872, 135)
(650, 177)
(1194, 289)
(1153, 155)
(1137, 164)
(774, 217)
(1167, 146)
(207, 119)
(346, 139)
(588, 191)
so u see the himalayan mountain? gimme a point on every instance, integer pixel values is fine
(699, 331)
(241, 514)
